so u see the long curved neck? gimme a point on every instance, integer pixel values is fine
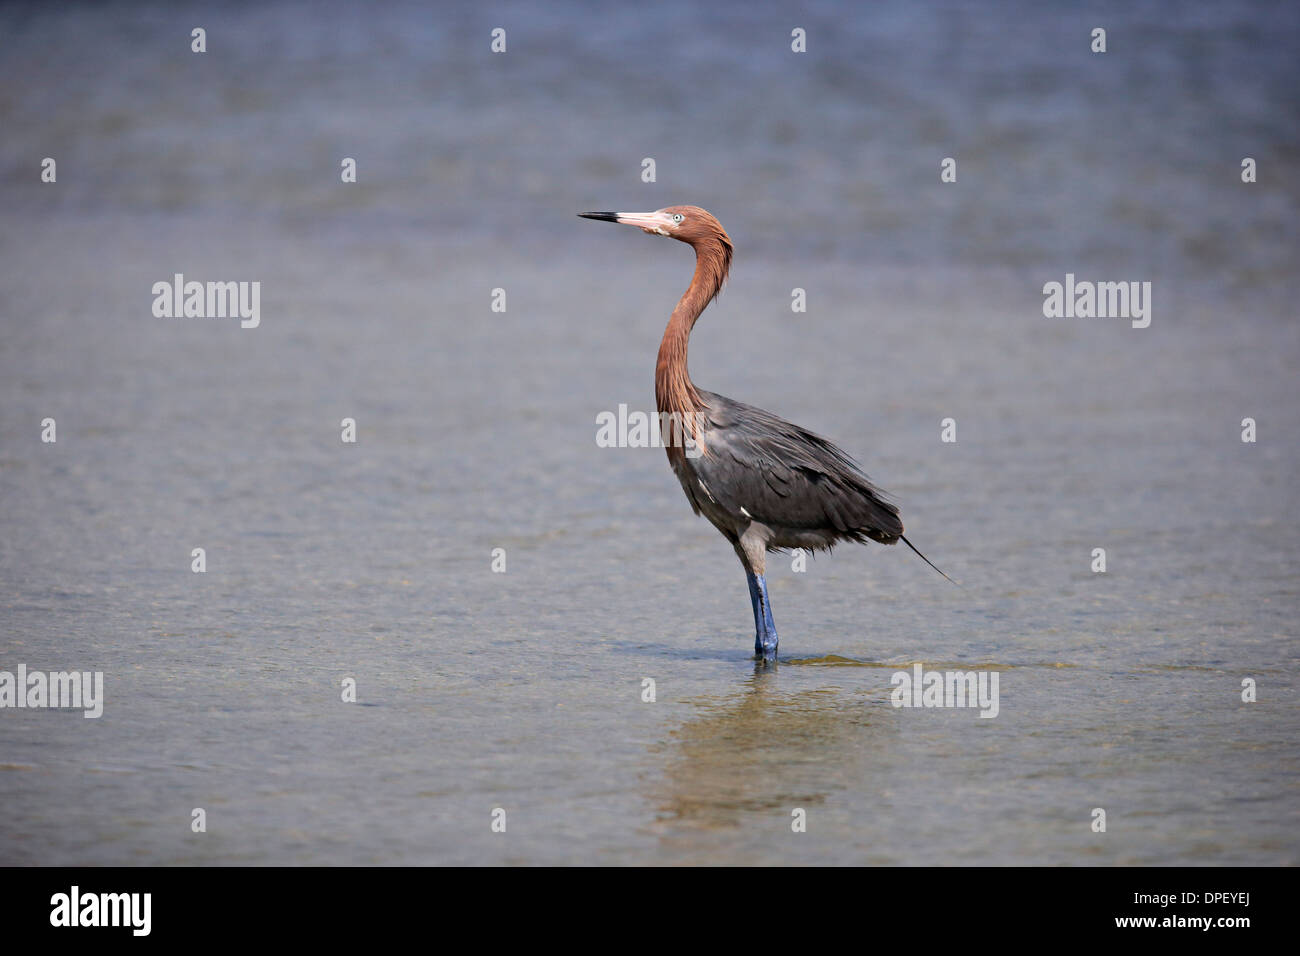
(674, 390)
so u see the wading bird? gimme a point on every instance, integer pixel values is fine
(766, 484)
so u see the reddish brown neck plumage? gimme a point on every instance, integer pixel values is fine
(674, 390)
(675, 393)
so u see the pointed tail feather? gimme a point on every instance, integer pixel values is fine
(926, 560)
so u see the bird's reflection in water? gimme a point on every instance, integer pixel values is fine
(749, 758)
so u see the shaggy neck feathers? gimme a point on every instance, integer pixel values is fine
(674, 390)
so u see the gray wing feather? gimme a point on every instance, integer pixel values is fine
(787, 477)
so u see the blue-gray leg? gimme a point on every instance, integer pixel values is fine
(765, 639)
(757, 607)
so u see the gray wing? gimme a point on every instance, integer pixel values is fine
(787, 477)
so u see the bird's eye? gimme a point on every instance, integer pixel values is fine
(677, 217)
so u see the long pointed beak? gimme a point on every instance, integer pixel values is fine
(657, 222)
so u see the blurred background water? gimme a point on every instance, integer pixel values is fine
(477, 431)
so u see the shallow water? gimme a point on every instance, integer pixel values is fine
(522, 690)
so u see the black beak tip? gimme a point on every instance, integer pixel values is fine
(606, 216)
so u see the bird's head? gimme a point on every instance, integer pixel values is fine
(688, 223)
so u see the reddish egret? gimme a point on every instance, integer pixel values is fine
(766, 484)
